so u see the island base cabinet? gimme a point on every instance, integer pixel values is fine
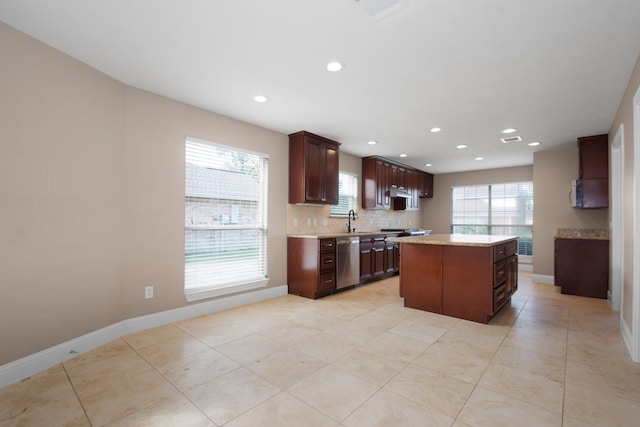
(421, 283)
(467, 282)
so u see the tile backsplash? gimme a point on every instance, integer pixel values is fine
(317, 219)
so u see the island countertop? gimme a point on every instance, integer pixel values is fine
(454, 239)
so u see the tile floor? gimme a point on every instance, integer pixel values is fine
(358, 358)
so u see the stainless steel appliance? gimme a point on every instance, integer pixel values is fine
(348, 261)
(407, 231)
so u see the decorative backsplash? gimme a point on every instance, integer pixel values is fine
(302, 219)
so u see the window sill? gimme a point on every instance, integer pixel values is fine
(196, 294)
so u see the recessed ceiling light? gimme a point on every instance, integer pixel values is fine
(334, 66)
(461, 146)
(403, 155)
(428, 165)
(534, 143)
(372, 142)
(434, 130)
(509, 130)
(479, 158)
(260, 98)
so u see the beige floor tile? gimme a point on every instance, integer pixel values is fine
(100, 354)
(519, 384)
(288, 332)
(597, 407)
(540, 330)
(463, 366)
(286, 367)
(392, 346)
(333, 392)
(178, 411)
(572, 422)
(600, 355)
(387, 409)
(325, 347)
(612, 341)
(550, 367)
(622, 382)
(377, 320)
(471, 343)
(435, 390)
(214, 333)
(197, 369)
(537, 342)
(488, 409)
(419, 331)
(46, 398)
(111, 397)
(249, 348)
(232, 394)
(369, 365)
(356, 332)
(172, 350)
(491, 331)
(282, 410)
(153, 336)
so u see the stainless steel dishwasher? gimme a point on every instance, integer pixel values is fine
(348, 261)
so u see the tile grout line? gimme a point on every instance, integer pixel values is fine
(73, 387)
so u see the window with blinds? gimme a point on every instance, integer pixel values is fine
(347, 195)
(496, 209)
(225, 232)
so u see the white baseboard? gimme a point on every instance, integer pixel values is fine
(543, 278)
(22, 368)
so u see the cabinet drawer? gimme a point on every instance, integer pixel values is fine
(499, 252)
(327, 261)
(326, 281)
(511, 248)
(327, 245)
(499, 297)
(499, 272)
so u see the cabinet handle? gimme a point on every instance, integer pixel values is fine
(328, 281)
(328, 261)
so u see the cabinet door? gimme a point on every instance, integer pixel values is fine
(383, 171)
(313, 174)
(593, 152)
(366, 264)
(378, 256)
(330, 175)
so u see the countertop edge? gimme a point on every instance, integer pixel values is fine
(440, 239)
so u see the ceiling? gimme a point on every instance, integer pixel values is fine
(553, 70)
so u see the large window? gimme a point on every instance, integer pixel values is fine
(347, 195)
(225, 231)
(497, 209)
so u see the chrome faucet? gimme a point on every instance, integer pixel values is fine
(350, 215)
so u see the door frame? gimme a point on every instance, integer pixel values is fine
(616, 295)
(635, 332)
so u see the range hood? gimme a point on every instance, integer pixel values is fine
(395, 193)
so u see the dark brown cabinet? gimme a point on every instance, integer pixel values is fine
(592, 187)
(313, 169)
(425, 184)
(373, 258)
(311, 266)
(581, 267)
(381, 176)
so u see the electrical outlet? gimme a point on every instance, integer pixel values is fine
(148, 292)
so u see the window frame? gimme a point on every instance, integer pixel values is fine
(259, 277)
(334, 212)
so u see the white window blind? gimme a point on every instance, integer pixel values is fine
(496, 209)
(225, 232)
(347, 194)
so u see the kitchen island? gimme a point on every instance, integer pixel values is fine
(465, 276)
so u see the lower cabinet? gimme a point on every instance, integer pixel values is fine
(582, 267)
(379, 259)
(311, 266)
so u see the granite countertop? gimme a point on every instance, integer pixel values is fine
(582, 233)
(454, 239)
(337, 234)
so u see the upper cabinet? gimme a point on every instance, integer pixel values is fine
(387, 184)
(592, 187)
(313, 169)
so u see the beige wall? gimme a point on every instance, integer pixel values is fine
(552, 175)
(92, 196)
(368, 219)
(437, 211)
(625, 116)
